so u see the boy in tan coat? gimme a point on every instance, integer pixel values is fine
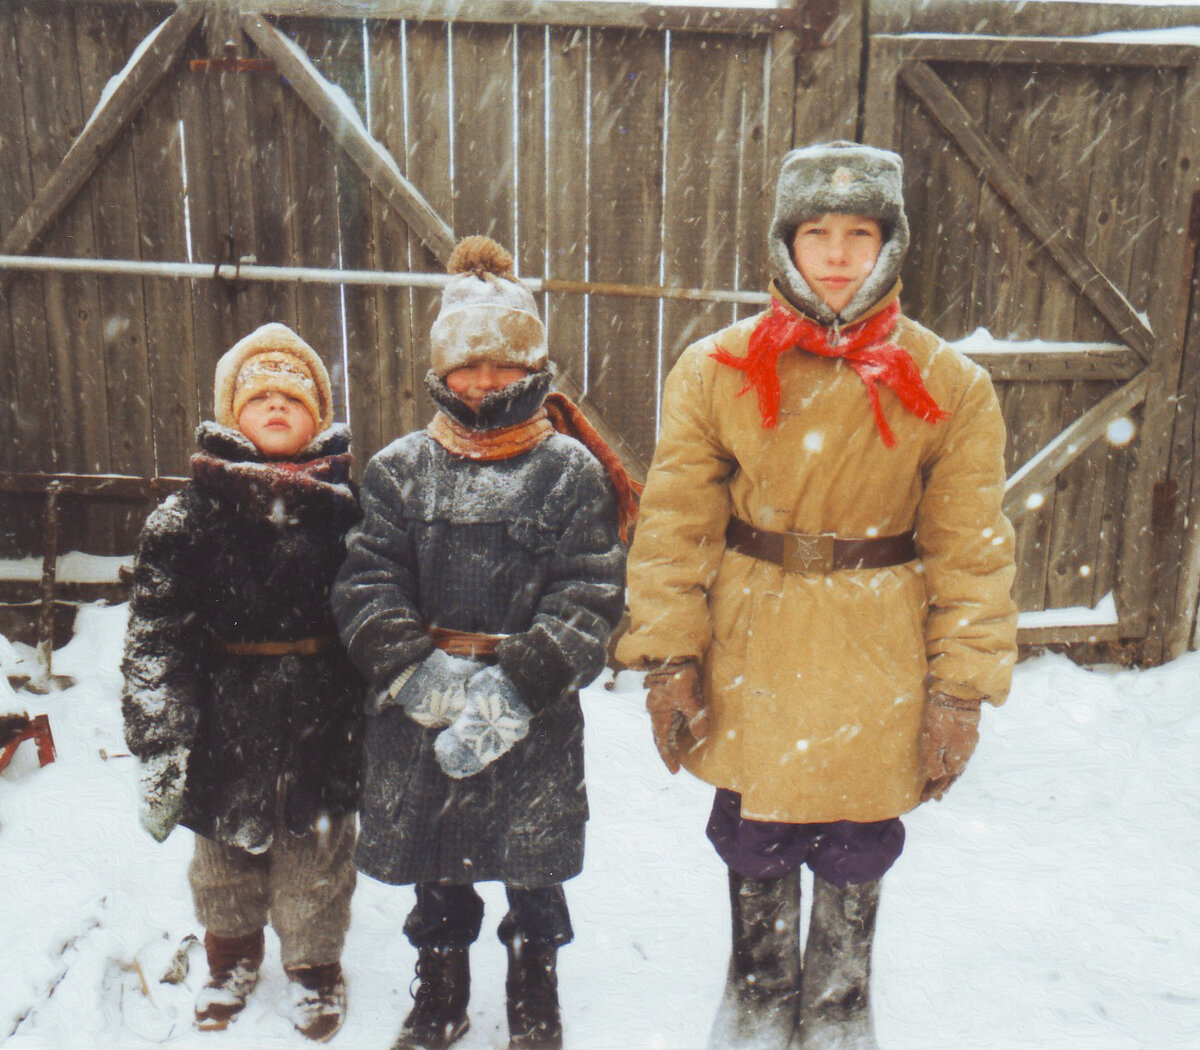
(819, 589)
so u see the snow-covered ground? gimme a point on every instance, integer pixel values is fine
(1051, 901)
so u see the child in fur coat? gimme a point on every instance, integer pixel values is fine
(239, 700)
(478, 595)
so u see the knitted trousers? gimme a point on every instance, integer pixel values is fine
(301, 885)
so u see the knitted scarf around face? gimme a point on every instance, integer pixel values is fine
(862, 346)
(559, 413)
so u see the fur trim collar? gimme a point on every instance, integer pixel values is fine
(315, 485)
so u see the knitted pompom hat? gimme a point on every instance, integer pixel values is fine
(272, 357)
(487, 314)
(838, 177)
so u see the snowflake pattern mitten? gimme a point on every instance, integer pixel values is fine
(493, 721)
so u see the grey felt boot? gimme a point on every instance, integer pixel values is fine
(835, 1007)
(760, 1007)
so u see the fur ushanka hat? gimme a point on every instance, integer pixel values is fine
(846, 178)
(272, 357)
(487, 314)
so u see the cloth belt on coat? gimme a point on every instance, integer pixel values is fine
(798, 552)
(471, 644)
(299, 647)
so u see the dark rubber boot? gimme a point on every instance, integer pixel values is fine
(835, 1011)
(760, 1007)
(233, 964)
(320, 1000)
(439, 1013)
(534, 1020)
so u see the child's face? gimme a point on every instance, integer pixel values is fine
(279, 425)
(835, 253)
(473, 382)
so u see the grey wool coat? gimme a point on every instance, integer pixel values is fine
(247, 552)
(526, 547)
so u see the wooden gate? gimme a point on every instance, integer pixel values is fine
(248, 162)
(1050, 188)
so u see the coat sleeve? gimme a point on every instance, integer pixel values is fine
(582, 597)
(680, 537)
(967, 549)
(164, 641)
(374, 595)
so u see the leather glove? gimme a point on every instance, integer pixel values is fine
(492, 722)
(435, 692)
(677, 713)
(161, 780)
(949, 733)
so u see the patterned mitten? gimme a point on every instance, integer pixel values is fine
(494, 719)
(434, 692)
(161, 780)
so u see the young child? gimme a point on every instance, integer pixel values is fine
(239, 700)
(819, 590)
(477, 596)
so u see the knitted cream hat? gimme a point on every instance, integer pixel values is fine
(846, 178)
(272, 357)
(487, 314)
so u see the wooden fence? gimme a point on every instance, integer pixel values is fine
(240, 159)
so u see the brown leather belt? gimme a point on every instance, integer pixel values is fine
(797, 552)
(471, 644)
(299, 647)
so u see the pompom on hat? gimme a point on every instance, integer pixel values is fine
(844, 178)
(487, 314)
(272, 357)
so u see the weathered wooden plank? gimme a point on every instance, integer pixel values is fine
(532, 190)
(880, 120)
(1150, 594)
(827, 70)
(704, 158)
(1052, 362)
(1004, 17)
(348, 131)
(558, 13)
(1026, 488)
(946, 110)
(201, 105)
(25, 416)
(169, 336)
(397, 366)
(1019, 50)
(146, 67)
(627, 98)
(485, 160)
(567, 216)
(429, 167)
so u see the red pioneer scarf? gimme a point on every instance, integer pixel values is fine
(559, 413)
(862, 346)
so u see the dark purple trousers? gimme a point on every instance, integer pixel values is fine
(843, 852)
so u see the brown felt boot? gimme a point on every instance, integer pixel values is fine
(319, 1006)
(835, 1009)
(233, 964)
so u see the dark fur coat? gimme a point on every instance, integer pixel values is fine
(247, 552)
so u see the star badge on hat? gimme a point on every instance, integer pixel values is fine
(842, 178)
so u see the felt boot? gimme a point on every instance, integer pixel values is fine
(233, 964)
(762, 991)
(534, 1021)
(319, 1007)
(835, 1009)
(439, 1013)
